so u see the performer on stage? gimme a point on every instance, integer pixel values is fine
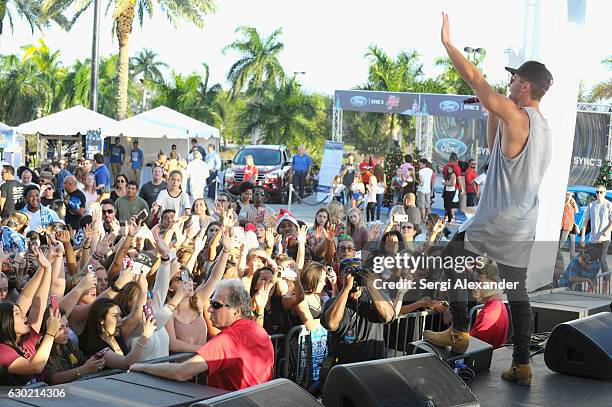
(503, 228)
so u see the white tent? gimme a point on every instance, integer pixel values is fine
(74, 120)
(4, 126)
(165, 125)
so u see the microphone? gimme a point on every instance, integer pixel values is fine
(471, 101)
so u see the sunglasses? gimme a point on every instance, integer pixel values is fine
(108, 211)
(218, 305)
(259, 194)
(121, 180)
(222, 200)
(407, 227)
(346, 248)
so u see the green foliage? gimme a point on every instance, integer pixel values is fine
(605, 175)
(393, 159)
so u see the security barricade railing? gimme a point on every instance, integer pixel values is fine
(278, 344)
(174, 358)
(409, 328)
(600, 286)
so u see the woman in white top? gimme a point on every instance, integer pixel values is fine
(371, 198)
(173, 197)
(89, 190)
(381, 186)
(358, 190)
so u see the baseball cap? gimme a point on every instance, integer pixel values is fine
(535, 72)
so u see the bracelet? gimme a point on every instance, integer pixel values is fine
(257, 315)
(172, 307)
(141, 345)
(114, 288)
(53, 336)
(165, 258)
(131, 235)
(96, 256)
(226, 251)
(86, 247)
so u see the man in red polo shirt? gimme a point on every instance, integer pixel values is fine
(471, 188)
(240, 356)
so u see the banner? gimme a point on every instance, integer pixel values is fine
(590, 144)
(93, 143)
(412, 104)
(330, 167)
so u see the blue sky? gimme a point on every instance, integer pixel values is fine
(327, 39)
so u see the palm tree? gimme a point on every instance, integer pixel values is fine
(258, 67)
(399, 75)
(283, 116)
(49, 67)
(603, 90)
(124, 13)
(145, 63)
(32, 11)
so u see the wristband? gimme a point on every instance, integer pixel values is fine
(53, 336)
(164, 259)
(87, 247)
(226, 251)
(257, 315)
(96, 256)
(115, 288)
(78, 373)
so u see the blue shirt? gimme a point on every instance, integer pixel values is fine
(136, 157)
(213, 161)
(12, 240)
(103, 176)
(301, 163)
(59, 185)
(575, 269)
(116, 153)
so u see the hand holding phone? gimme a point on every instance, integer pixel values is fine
(54, 303)
(142, 215)
(148, 310)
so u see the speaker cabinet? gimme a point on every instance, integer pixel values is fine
(416, 380)
(582, 347)
(275, 393)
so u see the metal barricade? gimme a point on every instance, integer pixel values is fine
(174, 358)
(299, 332)
(409, 328)
(600, 286)
(278, 344)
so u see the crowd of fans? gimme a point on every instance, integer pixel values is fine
(96, 278)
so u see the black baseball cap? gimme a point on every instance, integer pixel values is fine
(535, 72)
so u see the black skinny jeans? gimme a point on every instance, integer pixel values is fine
(520, 308)
(371, 211)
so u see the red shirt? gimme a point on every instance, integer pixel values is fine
(470, 175)
(28, 343)
(250, 172)
(366, 171)
(491, 325)
(240, 356)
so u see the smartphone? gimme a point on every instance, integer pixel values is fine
(54, 303)
(143, 214)
(446, 304)
(185, 276)
(400, 218)
(148, 311)
(127, 263)
(90, 268)
(289, 273)
(100, 354)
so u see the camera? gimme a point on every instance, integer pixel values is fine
(354, 267)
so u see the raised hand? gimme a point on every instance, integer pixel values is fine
(260, 299)
(302, 232)
(374, 231)
(226, 240)
(105, 244)
(87, 281)
(54, 323)
(269, 237)
(330, 232)
(133, 226)
(40, 256)
(445, 32)
(439, 226)
(63, 236)
(148, 327)
(162, 246)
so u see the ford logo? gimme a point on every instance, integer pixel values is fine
(449, 106)
(446, 146)
(359, 101)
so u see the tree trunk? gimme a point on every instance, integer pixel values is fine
(144, 96)
(124, 29)
(2, 13)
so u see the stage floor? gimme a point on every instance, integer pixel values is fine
(547, 387)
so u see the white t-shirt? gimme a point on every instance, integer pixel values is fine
(425, 174)
(600, 215)
(480, 180)
(179, 203)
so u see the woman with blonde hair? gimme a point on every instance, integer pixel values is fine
(250, 170)
(336, 216)
(356, 229)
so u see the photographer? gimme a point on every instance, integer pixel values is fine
(356, 317)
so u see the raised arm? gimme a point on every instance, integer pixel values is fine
(499, 105)
(381, 302)
(39, 301)
(71, 261)
(116, 361)
(130, 322)
(205, 290)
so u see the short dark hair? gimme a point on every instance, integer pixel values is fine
(212, 145)
(29, 188)
(132, 182)
(107, 202)
(408, 158)
(245, 186)
(99, 158)
(9, 168)
(169, 210)
(194, 140)
(56, 164)
(135, 142)
(453, 157)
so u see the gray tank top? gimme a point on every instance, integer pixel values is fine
(503, 227)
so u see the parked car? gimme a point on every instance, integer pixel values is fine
(583, 195)
(273, 163)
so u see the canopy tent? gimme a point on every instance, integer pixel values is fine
(4, 127)
(75, 120)
(166, 125)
